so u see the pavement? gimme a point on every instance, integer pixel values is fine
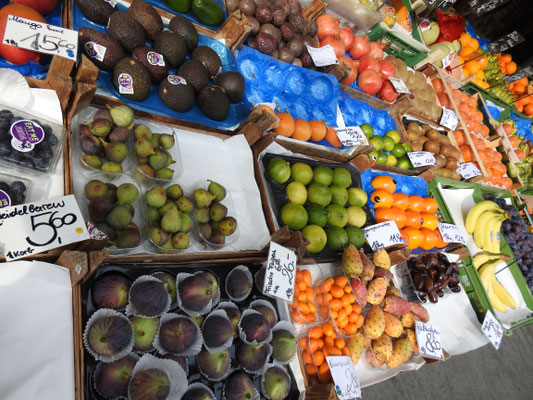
(485, 373)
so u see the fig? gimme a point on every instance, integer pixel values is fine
(119, 217)
(170, 283)
(149, 298)
(142, 131)
(149, 384)
(195, 292)
(144, 331)
(234, 315)
(110, 166)
(171, 221)
(92, 161)
(90, 144)
(267, 312)
(120, 134)
(205, 230)
(95, 189)
(99, 208)
(111, 291)
(156, 197)
(239, 387)
(111, 380)
(181, 360)
(111, 192)
(100, 127)
(252, 357)
(202, 198)
(107, 230)
(110, 335)
(115, 152)
(184, 204)
(216, 331)
(283, 345)
(143, 147)
(217, 211)
(276, 383)
(217, 238)
(166, 141)
(158, 236)
(159, 159)
(174, 192)
(169, 205)
(181, 240)
(129, 237)
(127, 193)
(198, 391)
(186, 222)
(255, 327)
(214, 366)
(217, 190)
(238, 283)
(213, 283)
(122, 115)
(227, 225)
(177, 335)
(202, 215)
(103, 113)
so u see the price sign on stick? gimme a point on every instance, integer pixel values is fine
(447, 60)
(421, 158)
(37, 227)
(451, 234)
(280, 272)
(41, 37)
(448, 119)
(323, 56)
(346, 382)
(428, 340)
(384, 234)
(506, 42)
(351, 136)
(481, 7)
(492, 329)
(468, 170)
(528, 71)
(399, 85)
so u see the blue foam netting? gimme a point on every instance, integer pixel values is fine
(306, 94)
(523, 126)
(493, 109)
(32, 69)
(483, 43)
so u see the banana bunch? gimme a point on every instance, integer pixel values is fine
(483, 221)
(499, 297)
(494, 76)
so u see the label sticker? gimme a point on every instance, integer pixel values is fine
(5, 200)
(323, 56)
(112, 2)
(125, 84)
(155, 58)
(351, 136)
(468, 170)
(280, 272)
(492, 329)
(26, 134)
(447, 60)
(384, 234)
(448, 119)
(428, 340)
(424, 25)
(95, 50)
(399, 85)
(421, 158)
(176, 80)
(450, 233)
(347, 386)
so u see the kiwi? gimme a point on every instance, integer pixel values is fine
(445, 140)
(414, 126)
(425, 128)
(416, 146)
(412, 136)
(451, 164)
(433, 135)
(432, 146)
(440, 161)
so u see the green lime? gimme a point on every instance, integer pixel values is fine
(377, 142)
(316, 236)
(301, 172)
(356, 216)
(323, 175)
(388, 143)
(357, 197)
(382, 158)
(407, 147)
(373, 155)
(294, 216)
(355, 236)
(342, 177)
(398, 151)
(296, 192)
(318, 215)
(367, 130)
(337, 215)
(395, 135)
(279, 170)
(319, 194)
(339, 195)
(404, 163)
(391, 161)
(337, 238)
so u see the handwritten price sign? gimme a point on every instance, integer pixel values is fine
(37, 227)
(343, 373)
(428, 340)
(492, 329)
(280, 272)
(41, 37)
(323, 56)
(351, 136)
(451, 234)
(421, 158)
(448, 119)
(384, 234)
(468, 170)
(399, 85)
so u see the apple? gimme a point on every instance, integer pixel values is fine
(43, 7)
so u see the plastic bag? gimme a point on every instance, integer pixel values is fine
(352, 11)
(451, 27)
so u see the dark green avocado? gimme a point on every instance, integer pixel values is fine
(176, 93)
(233, 85)
(104, 51)
(183, 27)
(131, 79)
(214, 103)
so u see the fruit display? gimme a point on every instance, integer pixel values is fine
(521, 91)
(389, 149)
(484, 221)
(304, 308)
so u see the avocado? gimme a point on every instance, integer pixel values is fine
(153, 62)
(213, 103)
(172, 46)
(104, 51)
(131, 79)
(195, 74)
(209, 12)
(232, 83)
(126, 30)
(148, 17)
(209, 58)
(181, 6)
(176, 93)
(97, 11)
(183, 27)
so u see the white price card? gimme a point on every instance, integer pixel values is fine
(421, 158)
(492, 329)
(280, 272)
(323, 56)
(346, 382)
(33, 228)
(428, 340)
(269, 105)
(447, 60)
(451, 234)
(384, 234)
(41, 37)
(448, 119)
(399, 85)
(351, 136)
(468, 170)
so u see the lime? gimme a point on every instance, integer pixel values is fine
(294, 216)
(279, 170)
(355, 236)
(404, 163)
(323, 175)
(395, 135)
(398, 151)
(337, 238)
(301, 173)
(319, 194)
(296, 192)
(318, 215)
(367, 130)
(342, 177)
(407, 147)
(356, 216)
(357, 197)
(316, 236)
(337, 215)
(377, 142)
(388, 143)
(382, 157)
(373, 155)
(339, 195)
(391, 161)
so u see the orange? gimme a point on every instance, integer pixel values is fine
(430, 205)
(459, 137)
(467, 52)
(472, 67)
(499, 168)
(413, 219)
(339, 343)
(514, 141)
(478, 116)
(318, 131)
(332, 138)
(508, 128)
(302, 130)
(484, 131)
(351, 329)
(347, 289)
(306, 356)
(430, 238)
(302, 342)
(341, 281)
(507, 182)
(474, 44)
(520, 154)
(400, 200)
(506, 58)
(381, 198)
(335, 304)
(336, 291)
(497, 156)
(528, 110)
(384, 182)
(327, 328)
(429, 221)
(316, 332)
(519, 89)
(310, 293)
(467, 153)
(286, 125)
(399, 217)
(483, 62)
(510, 68)
(319, 358)
(465, 39)
(416, 203)
(307, 277)
(439, 243)
(414, 237)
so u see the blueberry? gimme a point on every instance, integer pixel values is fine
(18, 187)
(21, 159)
(41, 164)
(15, 119)
(52, 140)
(5, 149)
(5, 187)
(18, 198)
(6, 114)
(48, 131)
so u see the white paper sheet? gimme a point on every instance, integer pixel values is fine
(36, 336)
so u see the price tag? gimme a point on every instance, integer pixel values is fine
(399, 85)
(384, 234)
(506, 42)
(41, 37)
(468, 170)
(448, 119)
(451, 234)
(528, 71)
(343, 373)
(421, 158)
(447, 60)
(280, 272)
(482, 8)
(428, 340)
(37, 227)
(424, 25)
(322, 56)
(351, 136)
(492, 329)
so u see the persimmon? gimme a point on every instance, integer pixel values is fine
(286, 125)
(302, 130)
(318, 131)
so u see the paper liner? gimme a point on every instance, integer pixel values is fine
(181, 276)
(130, 310)
(98, 367)
(257, 396)
(103, 313)
(176, 375)
(263, 377)
(217, 299)
(262, 302)
(194, 349)
(261, 370)
(242, 335)
(200, 385)
(224, 376)
(229, 304)
(228, 342)
(173, 304)
(250, 278)
(164, 357)
(259, 278)
(152, 347)
(285, 326)
(15, 88)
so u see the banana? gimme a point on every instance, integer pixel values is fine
(483, 257)
(503, 294)
(495, 243)
(481, 224)
(476, 211)
(495, 300)
(490, 240)
(486, 272)
(493, 287)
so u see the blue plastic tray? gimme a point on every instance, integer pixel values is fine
(190, 15)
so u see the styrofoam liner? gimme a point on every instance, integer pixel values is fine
(257, 396)
(250, 278)
(217, 299)
(180, 277)
(176, 375)
(224, 376)
(186, 369)
(263, 377)
(195, 347)
(262, 302)
(285, 326)
(173, 304)
(200, 385)
(260, 370)
(228, 343)
(104, 313)
(242, 335)
(99, 366)
(130, 310)
(15, 88)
